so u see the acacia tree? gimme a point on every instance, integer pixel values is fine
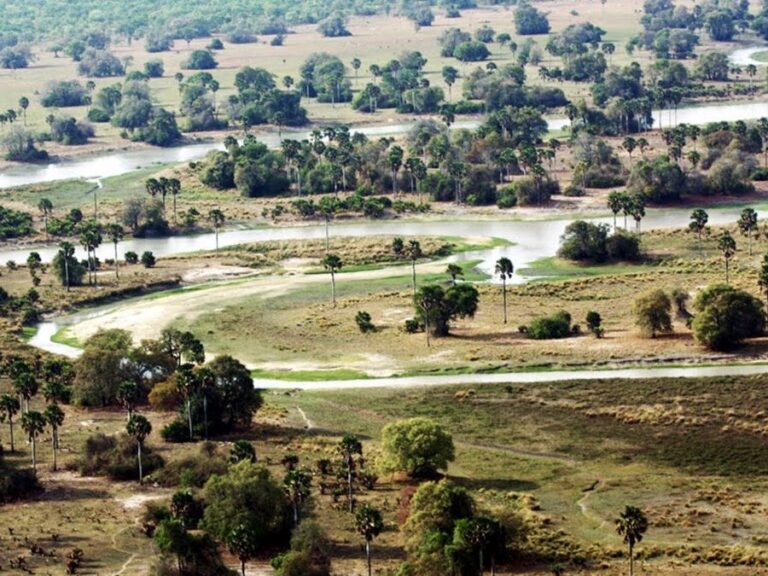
(9, 407)
(54, 416)
(369, 524)
(632, 525)
(332, 263)
(139, 428)
(33, 423)
(504, 269)
(698, 224)
(748, 224)
(727, 246)
(349, 447)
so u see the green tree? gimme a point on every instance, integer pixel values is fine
(242, 450)
(450, 75)
(356, 64)
(33, 423)
(414, 252)
(615, 204)
(9, 407)
(115, 235)
(727, 245)
(726, 316)
(139, 428)
(748, 224)
(332, 263)
(244, 543)
(172, 538)
(632, 526)
(46, 208)
(217, 218)
(652, 313)
(436, 308)
(454, 271)
(297, 485)
(25, 385)
(24, 104)
(66, 255)
(350, 448)
(504, 269)
(369, 524)
(482, 536)
(54, 417)
(698, 224)
(418, 446)
(395, 159)
(129, 394)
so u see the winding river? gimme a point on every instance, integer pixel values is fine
(531, 239)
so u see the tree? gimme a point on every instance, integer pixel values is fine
(129, 394)
(454, 271)
(297, 485)
(414, 253)
(24, 104)
(726, 316)
(332, 263)
(54, 417)
(652, 313)
(243, 542)
(480, 535)
(356, 64)
(115, 234)
(699, 219)
(504, 269)
(369, 524)
(9, 407)
(762, 276)
(33, 423)
(594, 323)
(437, 308)
(632, 526)
(450, 75)
(25, 385)
(748, 224)
(46, 207)
(418, 446)
(395, 159)
(139, 428)
(349, 447)
(242, 450)
(727, 245)
(217, 218)
(616, 201)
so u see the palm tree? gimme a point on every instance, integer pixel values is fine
(356, 63)
(25, 385)
(174, 188)
(332, 263)
(615, 204)
(9, 407)
(46, 207)
(632, 526)
(24, 104)
(33, 423)
(454, 271)
(139, 428)
(637, 209)
(369, 524)
(450, 74)
(747, 224)
(186, 380)
(206, 382)
(128, 394)
(350, 446)
(699, 219)
(727, 246)
(504, 269)
(54, 416)
(297, 487)
(395, 159)
(217, 218)
(448, 115)
(115, 234)
(414, 253)
(66, 251)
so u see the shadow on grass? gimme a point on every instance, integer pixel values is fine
(505, 484)
(378, 552)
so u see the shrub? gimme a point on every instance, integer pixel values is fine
(17, 483)
(652, 313)
(558, 325)
(200, 60)
(194, 470)
(100, 64)
(530, 191)
(727, 316)
(98, 115)
(623, 247)
(131, 257)
(63, 93)
(215, 44)
(148, 259)
(154, 68)
(418, 446)
(115, 457)
(412, 325)
(506, 197)
(333, 27)
(176, 431)
(363, 321)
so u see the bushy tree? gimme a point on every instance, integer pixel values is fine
(200, 60)
(436, 308)
(653, 313)
(530, 21)
(418, 446)
(726, 316)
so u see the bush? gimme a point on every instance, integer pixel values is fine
(240, 36)
(558, 325)
(148, 259)
(100, 64)
(529, 20)
(418, 446)
(529, 192)
(333, 27)
(115, 457)
(574, 191)
(70, 132)
(215, 44)
(412, 325)
(194, 470)
(623, 247)
(61, 94)
(200, 60)
(98, 115)
(17, 484)
(726, 317)
(506, 197)
(131, 257)
(363, 321)
(653, 313)
(176, 431)
(154, 68)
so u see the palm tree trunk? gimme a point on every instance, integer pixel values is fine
(349, 485)
(10, 424)
(242, 567)
(413, 274)
(726, 271)
(368, 555)
(333, 287)
(504, 297)
(205, 415)
(117, 271)
(327, 233)
(631, 561)
(217, 240)
(189, 417)
(174, 209)
(53, 444)
(66, 271)
(141, 472)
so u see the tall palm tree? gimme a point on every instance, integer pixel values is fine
(369, 524)
(504, 269)
(217, 218)
(54, 416)
(186, 380)
(24, 104)
(297, 485)
(632, 526)
(33, 423)
(748, 224)
(356, 64)
(727, 246)
(699, 219)
(395, 159)
(174, 188)
(414, 253)
(25, 385)
(128, 394)
(115, 234)
(139, 428)
(349, 447)
(332, 263)
(66, 251)
(46, 207)
(206, 383)
(615, 204)
(9, 407)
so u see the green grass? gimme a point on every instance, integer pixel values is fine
(310, 375)
(28, 332)
(557, 268)
(63, 336)
(760, 56)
